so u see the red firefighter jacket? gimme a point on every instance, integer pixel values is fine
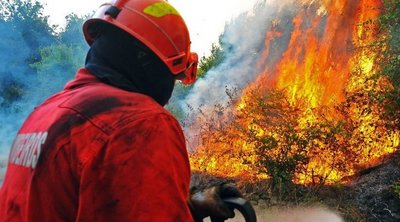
(97, 153)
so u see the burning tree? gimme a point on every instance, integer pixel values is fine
(313, 116)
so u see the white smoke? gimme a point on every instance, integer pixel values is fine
(243, 41)
(298, 215)
(3, 167)
(290, 215)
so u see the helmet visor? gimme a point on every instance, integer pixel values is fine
(191, 69)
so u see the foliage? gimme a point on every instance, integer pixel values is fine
(206, 63)
(396, 189)
(291, 147)
(58, 65)
(389, 60)
(24, 26)
(291, 142)
(12, 92)
(272, 132)
(11, 67)
(27, 17)
(46, 59)
(72, 33)
(60, 61)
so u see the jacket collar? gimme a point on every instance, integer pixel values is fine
(82, 77)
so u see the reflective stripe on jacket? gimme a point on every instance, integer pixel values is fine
(97, 153)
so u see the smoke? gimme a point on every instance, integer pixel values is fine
(298, 215)
(16, 80)
(34, 63)
(243, 42)
(291, 215)
(12, 69)
(3, 165)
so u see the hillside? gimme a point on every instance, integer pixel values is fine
(367, 196)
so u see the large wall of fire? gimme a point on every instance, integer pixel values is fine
(313, 105)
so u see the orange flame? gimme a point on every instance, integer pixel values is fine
(327, 64)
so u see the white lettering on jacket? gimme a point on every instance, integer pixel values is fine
(26, 149)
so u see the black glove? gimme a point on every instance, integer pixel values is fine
(209, 202)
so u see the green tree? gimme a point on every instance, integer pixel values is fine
(58, 65)
(389, 60)
(12, 65)
(206, 63)
(72, 33)
(59, 62)
(23, 26)
(27, 17)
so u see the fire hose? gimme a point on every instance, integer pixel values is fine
(243, 206)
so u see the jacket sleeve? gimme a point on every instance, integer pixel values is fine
(141, 174)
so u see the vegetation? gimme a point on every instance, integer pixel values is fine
(267, 129)
(396, 189)
(284, 135)
(45, 59)
(390, 63)
(206, 63)
(390, 58)
(284, 144)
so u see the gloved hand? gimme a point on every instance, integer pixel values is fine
(209, 202)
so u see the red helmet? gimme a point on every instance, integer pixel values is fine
(157, 25)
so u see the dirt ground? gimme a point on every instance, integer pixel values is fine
(369, 196)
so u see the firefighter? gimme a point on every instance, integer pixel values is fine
(104, 148)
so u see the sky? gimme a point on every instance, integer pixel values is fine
(205, 18)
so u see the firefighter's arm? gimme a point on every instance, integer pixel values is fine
(141, 174)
